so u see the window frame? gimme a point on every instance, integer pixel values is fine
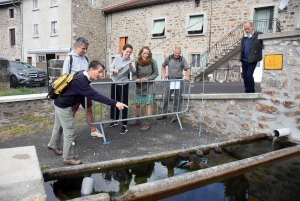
(155, 25)
(196, 32)
(11, 13)
(35, 4)
(40, 58)
(54, 29)
(36, 30)
(54, 3)
(94, 2)
(122, 42)
(12, 36)
(196, 54)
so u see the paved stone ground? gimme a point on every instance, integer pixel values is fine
(162, 137)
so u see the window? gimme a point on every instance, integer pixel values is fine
(12, 36)
(11, 13)
(196, 24)
(54, 28)
(35, 4)
(61, 57)
(123, 41)
(195, 61)
(40, 58)
(53, 2)
(94, 2)
(35, 30)
(158, 28)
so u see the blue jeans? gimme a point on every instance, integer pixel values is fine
(248, 70)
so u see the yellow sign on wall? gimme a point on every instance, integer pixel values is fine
(273, 62)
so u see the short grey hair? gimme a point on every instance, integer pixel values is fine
(251, 23)
(81, 41)
(177, 48)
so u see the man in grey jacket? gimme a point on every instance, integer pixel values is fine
(251, 53)
(80, 62)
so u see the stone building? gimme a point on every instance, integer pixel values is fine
(163, 24)
(10, 29)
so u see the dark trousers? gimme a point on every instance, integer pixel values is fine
(248, 70)
(119, 93)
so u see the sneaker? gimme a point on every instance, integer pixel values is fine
(113, 124)
(124, 130)
(162, 117)
(72, 161)
(57, 151)
(136, 123)
(96, 133)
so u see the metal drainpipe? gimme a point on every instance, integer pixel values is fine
(105, 50)
(21, 27)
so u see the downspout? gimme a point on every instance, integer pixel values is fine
(21, 27)
(105, 50)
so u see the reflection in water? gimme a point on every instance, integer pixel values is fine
(243, 187)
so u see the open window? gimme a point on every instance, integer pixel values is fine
(158, 28)
(196, 24)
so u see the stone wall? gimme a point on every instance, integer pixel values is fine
(88, 21)
(7, 51)
(279, 107)
(225, 114)
(13, 106)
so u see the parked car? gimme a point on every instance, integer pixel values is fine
(24, 74)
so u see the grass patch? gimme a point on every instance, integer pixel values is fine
(44, 167)
(17, 91)
(29, 123)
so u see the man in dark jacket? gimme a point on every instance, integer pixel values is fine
(251, 53)
(77, 89)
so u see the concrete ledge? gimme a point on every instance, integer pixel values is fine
(225, 96)
(17, 98)
(280, 35)
(20, 174)
(97, 197)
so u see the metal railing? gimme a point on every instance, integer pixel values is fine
(102, 112)
(230, 42)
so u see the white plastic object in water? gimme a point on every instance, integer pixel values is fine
(282, 132)
(87, 186)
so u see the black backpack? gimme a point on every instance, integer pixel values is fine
(180, 60)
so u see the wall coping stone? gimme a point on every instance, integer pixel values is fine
(279, 35)
(17, 98)
(225, 96)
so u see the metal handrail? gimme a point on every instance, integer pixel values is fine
(232, 40)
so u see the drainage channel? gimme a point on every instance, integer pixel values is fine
(120, 178)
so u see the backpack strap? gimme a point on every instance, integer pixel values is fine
(71, 62)
(180, 60)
